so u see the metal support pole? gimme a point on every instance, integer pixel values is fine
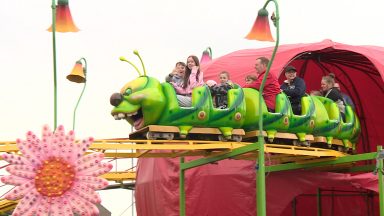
(182, 188)
(332, 201)
(294, 206)
(261, 194)
(203, 161)
(380, 176)
(319, 202)
(367, 203)
(54, 64)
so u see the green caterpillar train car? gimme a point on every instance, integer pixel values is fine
(145, 101)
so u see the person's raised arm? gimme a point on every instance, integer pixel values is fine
(193, 82)
(299, 89)
(179, 89)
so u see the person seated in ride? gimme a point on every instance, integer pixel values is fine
(210, 84)
(219, 92)
(347, 99)
(193, 77)
(294, 87)
(271, 88)
(329, 90)
(250, 79)
(315, 93)
(177, 73)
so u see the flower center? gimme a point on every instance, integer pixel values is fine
(54, 177)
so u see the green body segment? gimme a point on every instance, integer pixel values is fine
(273, 122)
(303, 124)
(158, 103)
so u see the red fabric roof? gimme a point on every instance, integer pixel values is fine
(358, 69)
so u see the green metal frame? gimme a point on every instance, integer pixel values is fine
(341, 160)
(380, 177)
(284, 167)
(203, 161)
(318, 201)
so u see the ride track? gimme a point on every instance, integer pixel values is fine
(279, 157)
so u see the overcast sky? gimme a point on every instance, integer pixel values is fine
(164, 32)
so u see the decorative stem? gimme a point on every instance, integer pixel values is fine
(261, 203)
(54, 63)
(78, 101)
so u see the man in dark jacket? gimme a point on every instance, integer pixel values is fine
(294, 87)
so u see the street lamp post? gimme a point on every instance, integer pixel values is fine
(261, 31)
(78, 75)
(61, 22)
(54, 63)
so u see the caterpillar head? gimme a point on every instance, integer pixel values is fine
(140, 101)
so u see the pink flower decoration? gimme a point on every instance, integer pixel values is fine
(53, 176)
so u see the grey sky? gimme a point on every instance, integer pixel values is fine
(164, 32)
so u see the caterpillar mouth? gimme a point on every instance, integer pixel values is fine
(135, 118)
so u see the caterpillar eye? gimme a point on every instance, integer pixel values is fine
(128, 92)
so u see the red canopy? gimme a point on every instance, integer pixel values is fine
(358, 69)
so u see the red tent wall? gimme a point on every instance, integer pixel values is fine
(334, 203)
(227, 188)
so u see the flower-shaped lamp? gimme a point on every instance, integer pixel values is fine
(207, 56)
(78, 73)
(64, 22)
(260, 30)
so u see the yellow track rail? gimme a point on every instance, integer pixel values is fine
(126, 148)
(6, 206)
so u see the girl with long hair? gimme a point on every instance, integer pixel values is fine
(193, 77)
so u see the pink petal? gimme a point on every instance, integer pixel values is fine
(95, 183)
(60, 207)
(28, 205)
(86, 193)
(15, 159)
(14, 180)
(20, 191)
(89, 161)
(86, 207)
(29, 152)
(44, 207)
(23, 171)
(96, 170)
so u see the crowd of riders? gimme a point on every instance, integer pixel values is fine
(186, 76)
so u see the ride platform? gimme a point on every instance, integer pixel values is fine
(276, 154)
